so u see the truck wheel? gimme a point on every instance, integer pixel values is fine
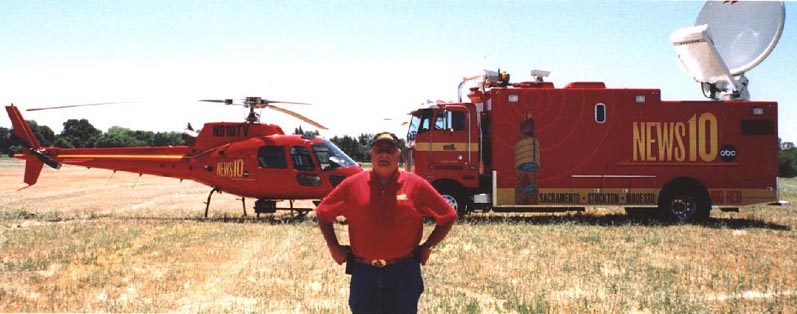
(685, 205)
(455, 199)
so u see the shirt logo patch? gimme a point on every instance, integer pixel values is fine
(401, 197)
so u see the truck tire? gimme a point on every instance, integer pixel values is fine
(685, 203)
(454, 197)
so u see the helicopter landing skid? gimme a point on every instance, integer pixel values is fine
(263, 206)
(207, 203)
(268, 206)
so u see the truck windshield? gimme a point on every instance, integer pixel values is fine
(330, 156)
(419, 123)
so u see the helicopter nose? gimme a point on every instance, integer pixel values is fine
(336, 179)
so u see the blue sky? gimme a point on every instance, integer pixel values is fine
(362, 64)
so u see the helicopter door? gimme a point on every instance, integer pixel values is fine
(273, 167)
(272, 157)
(303, 162)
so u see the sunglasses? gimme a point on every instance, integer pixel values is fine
(385, 149)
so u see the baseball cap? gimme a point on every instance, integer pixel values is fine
(385, 137)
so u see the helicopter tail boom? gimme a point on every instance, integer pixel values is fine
(35, 157)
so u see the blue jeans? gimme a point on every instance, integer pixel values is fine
(391, 289)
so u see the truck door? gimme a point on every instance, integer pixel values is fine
(454, 145)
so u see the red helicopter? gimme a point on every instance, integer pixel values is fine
(248, 159)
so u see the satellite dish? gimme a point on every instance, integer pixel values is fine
(744, 32)
(729, 38)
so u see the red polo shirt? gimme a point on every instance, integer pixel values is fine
(385, 223)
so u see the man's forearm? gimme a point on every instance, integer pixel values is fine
(328, 231)
(335, 249)
(439, 233)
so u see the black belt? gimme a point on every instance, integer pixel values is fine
(379, 263)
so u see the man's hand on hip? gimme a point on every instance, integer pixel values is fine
(423, 254)
(339, 253)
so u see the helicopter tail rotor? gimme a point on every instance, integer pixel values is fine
(35, 156)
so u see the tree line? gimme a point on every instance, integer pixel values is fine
(787, 160)
(79, 133)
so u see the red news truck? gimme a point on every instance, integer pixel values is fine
(531, 146)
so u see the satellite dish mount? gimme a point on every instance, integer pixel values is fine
(729, 38)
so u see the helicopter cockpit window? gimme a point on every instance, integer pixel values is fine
(300, 156)
(331, 157)
(272, 157)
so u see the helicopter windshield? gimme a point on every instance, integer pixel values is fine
(330, 156)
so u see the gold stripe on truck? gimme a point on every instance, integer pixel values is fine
(445, 147)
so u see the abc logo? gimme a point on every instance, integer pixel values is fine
(728, 153)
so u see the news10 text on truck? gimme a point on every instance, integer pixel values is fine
(530, 146)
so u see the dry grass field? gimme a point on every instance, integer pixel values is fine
(92, 241)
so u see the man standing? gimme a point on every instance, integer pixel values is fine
(384, 208)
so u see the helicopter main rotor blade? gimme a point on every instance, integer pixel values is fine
(254, 102)
(81, 105)
(298, 116)
(265, 103)
(284, 102)
(223, 101)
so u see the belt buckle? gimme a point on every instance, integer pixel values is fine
(378, 263)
